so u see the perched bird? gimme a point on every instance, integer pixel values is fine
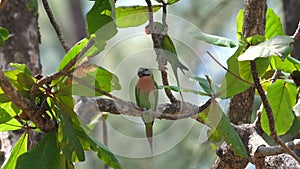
(146, 94)
(169, 50)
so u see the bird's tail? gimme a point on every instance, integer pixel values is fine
(149, 134)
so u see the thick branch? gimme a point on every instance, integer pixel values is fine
(269, 112)
(27, 106)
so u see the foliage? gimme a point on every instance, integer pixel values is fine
(61, 148)
(270, 52)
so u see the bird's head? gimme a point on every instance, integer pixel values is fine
(158, 28)
(143, 72)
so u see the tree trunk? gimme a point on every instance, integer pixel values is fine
(21, 47)
(292, 18)
(240, 108)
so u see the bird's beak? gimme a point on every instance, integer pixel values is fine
(147, 30)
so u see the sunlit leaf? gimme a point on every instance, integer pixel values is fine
(289, 64)
(45, 154)
(245, 69)
(215, 40)
(131, 16)
(282, 98)
(172, 1)
(18, 149)
(273, 24)
(4, 116)
(276, 46)
(72, 53)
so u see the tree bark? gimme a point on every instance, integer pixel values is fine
(21, 47)
(292, 18)
(240, 108)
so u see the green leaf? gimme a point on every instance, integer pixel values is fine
(19, 148)
(100, 22)
(72, 53)
(70, 144)
(282, 98)
(4, 35)
(172, 1)
(262, 65)
(232, 85)
(32, 5)
(215, 40)
(12, 124)
(21, 78)
(239, 24)
(131, 16)
(276, 46)
(289, 64)
(104, 154)
(4, 116)
(273, 24)
(45, 155)
(216, 118)
(203, 84)
(95, 76)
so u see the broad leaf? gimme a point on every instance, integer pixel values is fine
(215, 40)
(70, 144)
(4, 116)
(45, 154)
(276, 46)
(289, 64)
(13, 124)
(131, 16)
(273, 24)
(72, 53)
(19, 148)
(282, 98)
(245, 69)
(95, 76)
(216, 118)
(232, 85)
(100, 21)
(21, 78)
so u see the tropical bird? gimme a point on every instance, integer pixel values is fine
(146, 94)
(169, 50)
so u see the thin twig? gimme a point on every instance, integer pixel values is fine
(26, 105)
(157, 40)
(230, 72)
(64, 71)
(297, 32)
(269, 112)
(55, 25)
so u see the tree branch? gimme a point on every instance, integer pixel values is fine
(269, 112)
(297, 32)
(26, 105)
(55, 25)
(64, 71)
(157, 40)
